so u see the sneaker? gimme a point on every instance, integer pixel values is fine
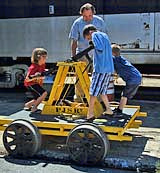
(118, 115)
(116, 110)
(27, 109)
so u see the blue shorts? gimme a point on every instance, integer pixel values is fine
(130, 90)
(99, 83)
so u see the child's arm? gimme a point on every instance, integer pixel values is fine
(115, 76)
(37, 78)
(98, 43)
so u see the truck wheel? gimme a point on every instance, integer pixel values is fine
(21, 139)
(87, 144)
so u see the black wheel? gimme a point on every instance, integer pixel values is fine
(21, 139)
(87, 144)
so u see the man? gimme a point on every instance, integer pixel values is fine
(78, 43)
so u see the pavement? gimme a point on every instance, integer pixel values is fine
(142, 154)
(148, 80)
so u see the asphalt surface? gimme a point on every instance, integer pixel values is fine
(9, 165)
(140, 154)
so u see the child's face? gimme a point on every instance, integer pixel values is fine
(114, 54)
(88, 37)
(42, 59)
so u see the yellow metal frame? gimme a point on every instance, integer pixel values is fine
(63, 129)
(50, 107)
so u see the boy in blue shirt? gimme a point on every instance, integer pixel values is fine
(102, 68)
(129, 74)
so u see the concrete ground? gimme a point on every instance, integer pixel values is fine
(147, 81)
(143, 153)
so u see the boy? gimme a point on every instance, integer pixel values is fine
(129, 74)
(102, 68)
(34, 79)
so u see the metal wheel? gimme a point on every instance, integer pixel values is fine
(21, 138)
(87, 144)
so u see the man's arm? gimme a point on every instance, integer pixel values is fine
(73, 47)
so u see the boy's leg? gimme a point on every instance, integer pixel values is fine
(30, 103)
(106, 102)
(38, 101)
(104, 83)
(128, 93)
(122, 103)
(91, 107)
(39, 95)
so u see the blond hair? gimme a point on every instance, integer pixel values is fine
(37, 53)
(116, 49)
(87, 6)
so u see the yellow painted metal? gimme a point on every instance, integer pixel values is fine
(111, 129)
(50, 107)
(65, 134)
(142, 114)
(85, 84)
(59, 110)
(58, 84)
(135, 124)
(132, 106)
(54, 125)
(2, 128)
(53, 132)
(4, 121)
(130, 122)
(63, 129)
(119, 138)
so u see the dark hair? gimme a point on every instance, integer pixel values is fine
(87, 29)
(116, 49)
(87, 6)
(37, 53)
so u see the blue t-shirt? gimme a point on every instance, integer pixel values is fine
(127, 71)
(76, 32)
(102, 58)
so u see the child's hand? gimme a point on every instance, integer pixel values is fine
(42, 78)
(116, 77)
(37, 74)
